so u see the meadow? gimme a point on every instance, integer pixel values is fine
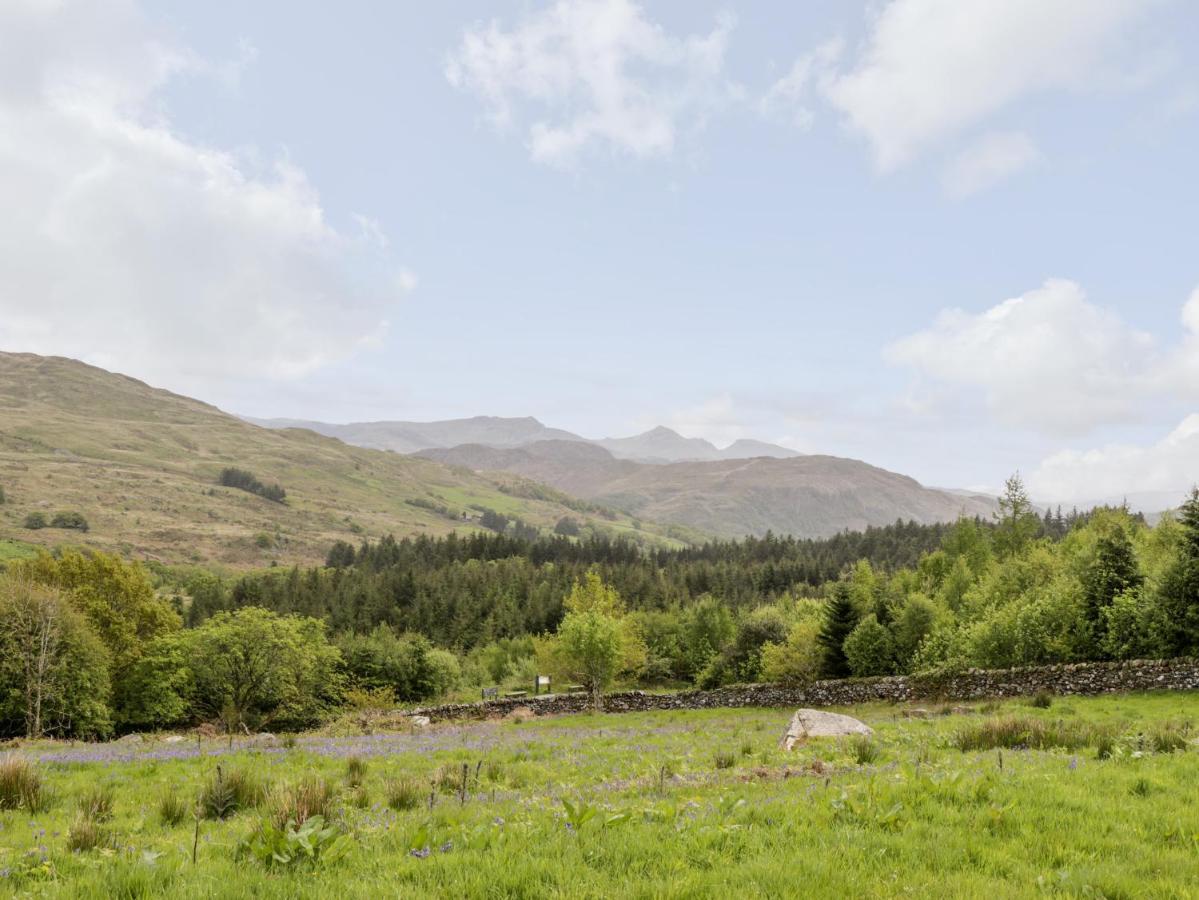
(1085, 797)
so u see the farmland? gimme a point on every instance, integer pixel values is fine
(1060, 796)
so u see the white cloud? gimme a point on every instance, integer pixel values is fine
(600, 72)
(789, 93)
(1048, 359)
(932, 69)
(130, 246)
(988, 161)
(1167, 469)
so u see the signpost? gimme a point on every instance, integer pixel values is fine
(543, 681)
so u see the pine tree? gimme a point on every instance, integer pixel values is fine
(840, 619)
(1113, 571)
(1179, 592)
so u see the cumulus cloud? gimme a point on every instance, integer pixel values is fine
(1048, 359)
(598, 73)
(988, 161)
(133, 247)
(930, 70)
(1165, 470)
(789, 95)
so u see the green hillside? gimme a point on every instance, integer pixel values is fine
(142, 464)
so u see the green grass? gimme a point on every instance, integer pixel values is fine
(10, 549)
(632, 806)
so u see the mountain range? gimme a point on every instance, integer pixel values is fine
(658, 445)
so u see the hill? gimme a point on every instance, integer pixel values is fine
(141, 464)
(808, 496)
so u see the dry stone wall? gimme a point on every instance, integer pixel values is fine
(973, 684)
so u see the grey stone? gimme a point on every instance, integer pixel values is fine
(813, 723)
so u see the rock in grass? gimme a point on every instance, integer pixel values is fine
(810, 723)
(420, 721)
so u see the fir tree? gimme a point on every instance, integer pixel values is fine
(840, 619)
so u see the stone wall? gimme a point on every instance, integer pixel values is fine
(974, 684)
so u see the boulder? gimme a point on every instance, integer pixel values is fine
(420, 721)
(130, 739)
(173, 738)
(811, 723)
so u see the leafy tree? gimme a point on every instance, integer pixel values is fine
(869, 649)
(117, 597)
(383, 659)
(592, 638)
(840, 619)
(53, 668)
(1017, 521)
(1178, 594)
(742, 658)
(248, 668)
(567, 526)
(706, 628)
(913, 622)
(797, 661)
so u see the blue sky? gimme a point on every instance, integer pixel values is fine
(740, 220)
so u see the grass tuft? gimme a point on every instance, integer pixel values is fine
(864, 749)
(97, 802)
(173, 810)
(725, 759)
(21, 784)
(404, 793)
(355, 771)
(297, 803)
(227, 793)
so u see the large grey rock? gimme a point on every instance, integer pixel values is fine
(810, 723)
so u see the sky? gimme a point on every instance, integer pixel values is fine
(953, 238)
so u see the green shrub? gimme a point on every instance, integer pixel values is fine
(245, 481)
(20, 784)
(869, 648)
(35, 521)
(1041, 700)
(310, 844)
(71, 520)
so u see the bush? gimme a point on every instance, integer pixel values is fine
(309, 844)
(72, 520)
(20, 784)
(245, 481)
(35, 521)
(1041, 700)
(798, 660)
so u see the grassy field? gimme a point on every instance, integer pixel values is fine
(141, 465)
(684, 804)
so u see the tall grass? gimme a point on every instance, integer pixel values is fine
(226, 793)
(1025, 733)
(21, 784)
(404, 793)
(298, 802)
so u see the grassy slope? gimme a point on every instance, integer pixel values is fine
(141, 464)
(921, 820)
